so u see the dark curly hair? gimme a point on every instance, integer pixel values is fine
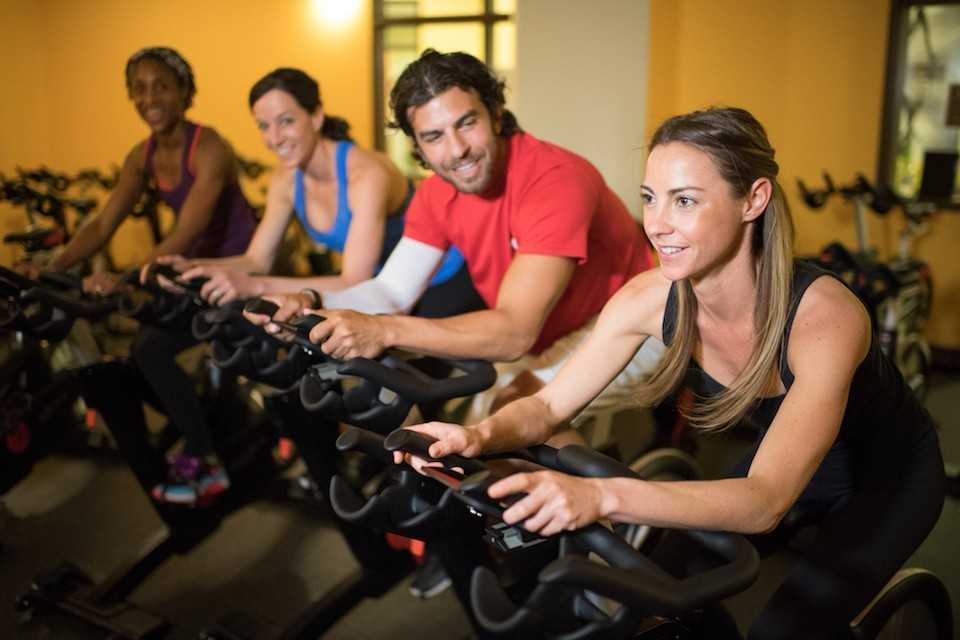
(305, 90)
(171, 59)
(432, 74)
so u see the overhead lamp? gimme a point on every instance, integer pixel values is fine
(336, 13)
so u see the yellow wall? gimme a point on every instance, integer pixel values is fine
(24, 114)
(70, 109)
(813, 72)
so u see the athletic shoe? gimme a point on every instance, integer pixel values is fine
(431, 579)
(191, 482)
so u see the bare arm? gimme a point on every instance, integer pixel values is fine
(230, 276)
(635, 312)
(364, 243)
(97, 231)
(215, 166)
(531, 288)
(367, 195)
(829, 338)
(368, 202)
(262, 250)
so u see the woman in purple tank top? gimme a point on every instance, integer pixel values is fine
(193, 169)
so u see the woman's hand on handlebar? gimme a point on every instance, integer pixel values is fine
(223, 285)
(102, 283)
(451, 439)
(554, 501)
(290, 306)
(27, 269)
(179, 263)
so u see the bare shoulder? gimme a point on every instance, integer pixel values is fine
(281, 183)
(212, 145)
(829, 320)
(639, 305)
(364, 165)
(137, 157)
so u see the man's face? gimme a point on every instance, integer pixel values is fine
(457, 137)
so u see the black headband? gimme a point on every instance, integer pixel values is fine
(171, 58)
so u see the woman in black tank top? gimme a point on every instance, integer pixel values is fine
(763, 340)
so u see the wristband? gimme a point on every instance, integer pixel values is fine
(316, 300)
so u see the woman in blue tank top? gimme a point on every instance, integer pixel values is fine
(349, 199)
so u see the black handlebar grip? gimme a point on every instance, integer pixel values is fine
(16, 279)
(304, 324)
(74, 307)
(193, 285)
(587, 462)
(61, 280)
(365, 441)
(317, 394)
(410, 441)
(418, 444)
(261, 307)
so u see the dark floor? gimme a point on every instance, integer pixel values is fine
(270, 559)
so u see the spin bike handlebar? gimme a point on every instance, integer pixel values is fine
(413, 384)
(47, 308)
(77, 307)
(369, 406)
(191, 288)
(397, 376)
(165, 308)
(632, 579)
(247, 349)
(879, 198)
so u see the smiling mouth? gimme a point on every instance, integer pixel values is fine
(670, 251)
(466, 168)
(153, 115)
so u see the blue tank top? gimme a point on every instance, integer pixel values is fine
(336, 237)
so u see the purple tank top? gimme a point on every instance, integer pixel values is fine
(233, 222)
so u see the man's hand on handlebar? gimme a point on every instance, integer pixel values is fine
(343, 334)
(349, 334)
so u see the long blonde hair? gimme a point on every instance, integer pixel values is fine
(737, 143)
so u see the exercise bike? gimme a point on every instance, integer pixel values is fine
(39, 408)
(117, 392)
(898, 292)
(625, 595)
(378, 394)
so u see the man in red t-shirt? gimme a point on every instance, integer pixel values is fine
(546, 241)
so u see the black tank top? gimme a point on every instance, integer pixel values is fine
(882, 420)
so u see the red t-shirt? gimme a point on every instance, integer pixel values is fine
(553, 203)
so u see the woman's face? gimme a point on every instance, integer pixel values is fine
(689, 212)
(287, 128)
(157, 95)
